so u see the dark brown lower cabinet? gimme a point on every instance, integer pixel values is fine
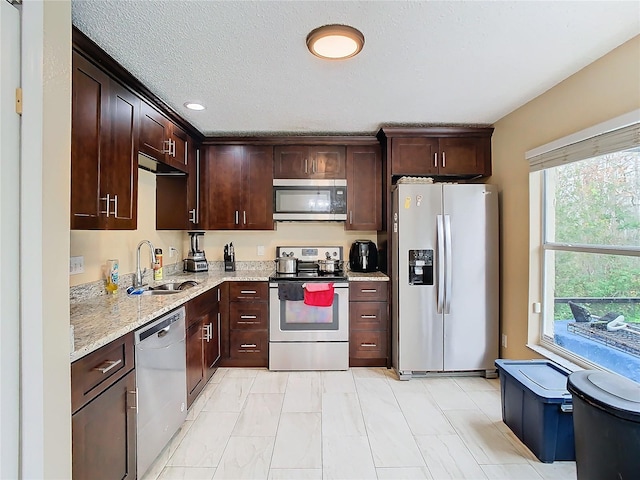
(104, 434)
(203, 341)
(368, 324)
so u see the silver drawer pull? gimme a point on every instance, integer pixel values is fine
(245, 292)
(248, 345)
(248, 316)
(108, 365)
(135, 399)
(368, 316)
(368, 345)
(369, 290)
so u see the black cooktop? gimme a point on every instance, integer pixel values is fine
(309, 276)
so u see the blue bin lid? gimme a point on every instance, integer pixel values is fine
(545, 379)
(610, 392)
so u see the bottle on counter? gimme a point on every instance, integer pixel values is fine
(112, 275)
(157, 267)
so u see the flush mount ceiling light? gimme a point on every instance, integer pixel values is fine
(194, 106)
(335, 42)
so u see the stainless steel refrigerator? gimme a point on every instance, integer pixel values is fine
(444, 278)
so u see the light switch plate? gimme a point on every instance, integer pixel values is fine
(260, 250)
(76, 265)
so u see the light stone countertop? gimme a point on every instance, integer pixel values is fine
(98, 320)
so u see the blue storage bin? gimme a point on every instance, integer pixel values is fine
(537, 407)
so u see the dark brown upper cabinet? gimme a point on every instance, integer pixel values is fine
(364, 188)
(161, 139)
(104, 150)
(438, 151)
(177, 196)
(315, 162)
(239, 183)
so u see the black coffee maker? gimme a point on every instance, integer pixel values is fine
(363, 256)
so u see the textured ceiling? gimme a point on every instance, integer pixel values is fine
(425, 62)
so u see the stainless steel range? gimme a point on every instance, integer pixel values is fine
(309, 311)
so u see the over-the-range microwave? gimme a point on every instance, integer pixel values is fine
(305, 199)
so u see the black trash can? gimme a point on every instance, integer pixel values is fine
(606, 422)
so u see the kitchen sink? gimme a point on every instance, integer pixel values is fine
(163, 289)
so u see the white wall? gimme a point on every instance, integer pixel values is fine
(44, 244)
(9, 241)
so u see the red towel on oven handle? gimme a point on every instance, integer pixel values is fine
(318, 294)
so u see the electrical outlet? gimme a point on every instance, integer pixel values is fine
(260, 250)
(172, 251)
(504, 340)
(76, 265)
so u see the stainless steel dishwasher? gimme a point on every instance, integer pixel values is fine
(161, 376)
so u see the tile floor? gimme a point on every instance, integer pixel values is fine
(358, 424)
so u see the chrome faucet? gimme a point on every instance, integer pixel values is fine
(137, 279)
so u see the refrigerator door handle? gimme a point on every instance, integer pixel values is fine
(440, 264)
(447, 263)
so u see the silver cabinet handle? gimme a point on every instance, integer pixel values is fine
(108, 365)
(244, 217)
(172, 146)
(368, 316)
(237, 218)
(115, 206)
(368, 345)
(435, 159)
(218, 300)
(135, 401)
(192, 215)
(249, 316)
(253, 292)
(209, 329)
(306, 166)
(168, 149)
(186, 149)
(368, 290)
(314, 165)
(444, 159)
(351, 217)
(107, 200)
(248, 345)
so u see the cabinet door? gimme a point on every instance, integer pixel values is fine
(193, 185)
(178, 156)
(291, 161)
(195, 360)
(257, 188)
(327, 162)
(364, 193)
(154, 132)
(212, 333)
(223, 175)
(465, 156)
(414, 156)
(89, 141)
(104, 434)
(120, 172)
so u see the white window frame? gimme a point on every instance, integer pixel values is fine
(580, 145)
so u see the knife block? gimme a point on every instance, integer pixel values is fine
(229, 266)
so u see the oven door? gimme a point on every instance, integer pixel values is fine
(291, 321)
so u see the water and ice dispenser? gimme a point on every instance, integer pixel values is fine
(420, 267)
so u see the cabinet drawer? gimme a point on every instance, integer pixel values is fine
(245, 316)
(93, 374)
(249, 344)
(248, 291)
(368, 291)
(368, 315)
(364, 344)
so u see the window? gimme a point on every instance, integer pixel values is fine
(590, 249)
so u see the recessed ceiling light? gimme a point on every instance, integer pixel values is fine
(335, 41)
(194, 106)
